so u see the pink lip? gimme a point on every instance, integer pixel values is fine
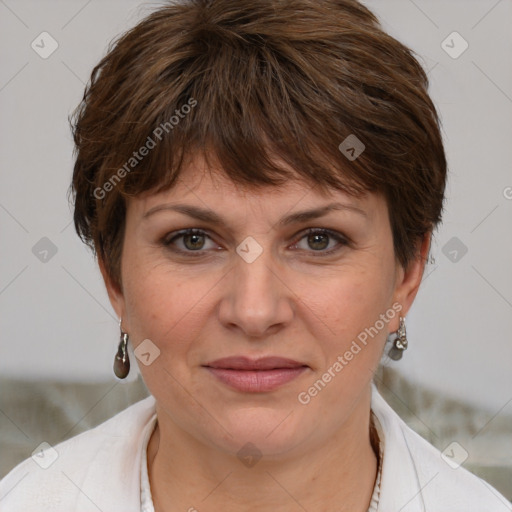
(246, 363)
(253, 376)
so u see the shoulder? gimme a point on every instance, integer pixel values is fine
(87, 472)
(416, 476)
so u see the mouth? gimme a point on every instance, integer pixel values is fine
(255, 375)
(246, 363)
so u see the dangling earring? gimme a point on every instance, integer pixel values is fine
(400, 342)
(122, 360)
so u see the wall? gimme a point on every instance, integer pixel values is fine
(56, 319)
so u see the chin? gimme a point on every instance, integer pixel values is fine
(271, 432)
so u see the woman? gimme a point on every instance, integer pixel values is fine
(260, 181)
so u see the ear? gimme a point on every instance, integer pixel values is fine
(114, 293)
(408, 279)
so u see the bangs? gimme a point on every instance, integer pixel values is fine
(241, 132)
(265, 92)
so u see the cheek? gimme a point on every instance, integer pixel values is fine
(165, 306)
(168, 309)
(349, 301)
(353, 346)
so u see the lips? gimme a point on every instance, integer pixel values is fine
(245, 363)
(255, 375)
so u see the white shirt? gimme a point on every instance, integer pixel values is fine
(101, 470)
(146, 500)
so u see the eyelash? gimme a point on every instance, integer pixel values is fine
(343, 241)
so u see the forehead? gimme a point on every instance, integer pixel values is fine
(212, 188)
(209, 195)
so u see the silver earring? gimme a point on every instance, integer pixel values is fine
(122, 360)
(400, 342)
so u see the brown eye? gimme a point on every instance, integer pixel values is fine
(317, 240)
(192, 241)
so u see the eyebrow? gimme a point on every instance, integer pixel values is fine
(207, 215)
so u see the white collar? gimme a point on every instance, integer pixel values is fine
(146, 500)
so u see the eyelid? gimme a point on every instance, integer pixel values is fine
(335, 234)
(167, 240)
(339, 237)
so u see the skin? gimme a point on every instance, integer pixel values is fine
(291, 302)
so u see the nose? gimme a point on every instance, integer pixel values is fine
(257, 299)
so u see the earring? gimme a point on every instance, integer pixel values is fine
(400, 342)
(122, 360)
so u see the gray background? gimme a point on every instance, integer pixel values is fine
(56, 318)
(56, 321)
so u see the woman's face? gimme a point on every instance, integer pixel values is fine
(256, 285)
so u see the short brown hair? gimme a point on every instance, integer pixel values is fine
(292, 78)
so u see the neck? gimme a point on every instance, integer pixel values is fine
(337, 474)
